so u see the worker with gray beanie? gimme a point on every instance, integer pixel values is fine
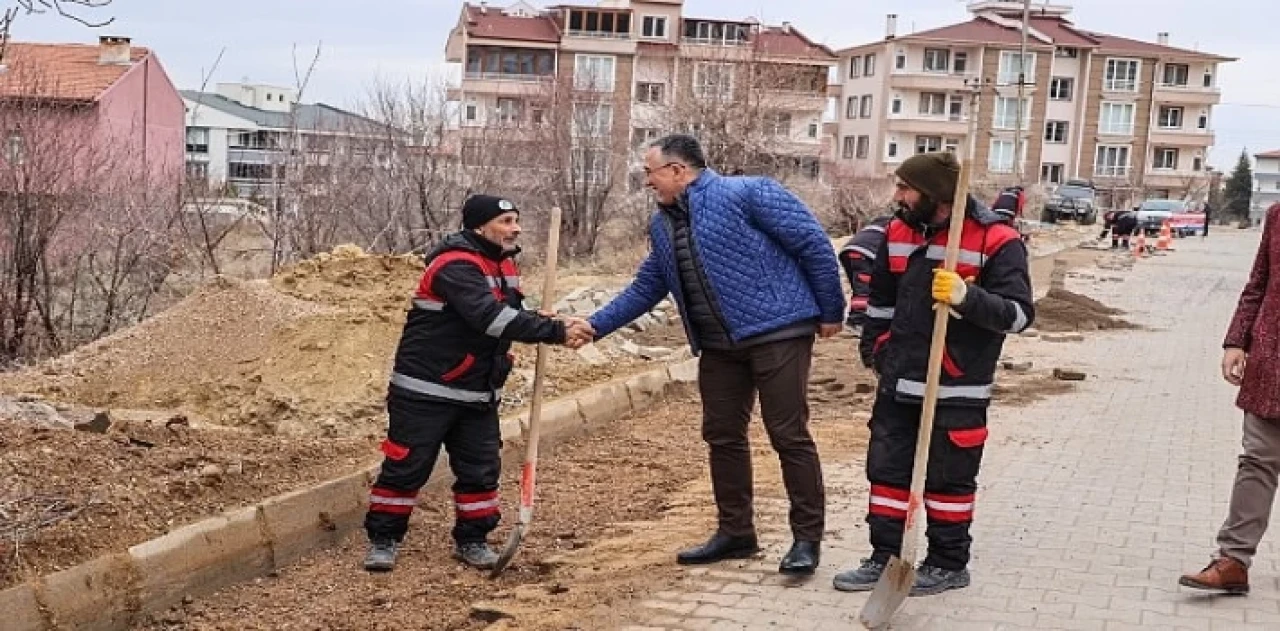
(989, 296)
(446, 383)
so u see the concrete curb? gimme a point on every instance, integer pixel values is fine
(113, 592)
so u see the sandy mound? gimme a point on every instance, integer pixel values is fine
(1062, 310)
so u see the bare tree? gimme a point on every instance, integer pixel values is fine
(74, 10)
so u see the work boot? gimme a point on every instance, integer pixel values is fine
(478, 555)
(382, 555)
(718, 548)
(931, 580)
(1224, 575)
(861, 579)
(802, 558)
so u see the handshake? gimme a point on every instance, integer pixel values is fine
(578, 332)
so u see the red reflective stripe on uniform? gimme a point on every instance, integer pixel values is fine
(978, 243)
(467, 498)
(492, 270)
(865, 278)
(381, 491)
(384, 500)
(467, 363)
(949, 508)
(950, 366)
(880, 341)
(394, 451)
(858, 302)
(888, 501)
(968, 438)
(476, 505)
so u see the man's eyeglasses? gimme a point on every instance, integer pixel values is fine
(648, 171)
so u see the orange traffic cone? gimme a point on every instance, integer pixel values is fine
(1140, 245)
(1165, 242)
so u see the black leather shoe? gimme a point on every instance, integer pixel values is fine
(718, 548)
(802, 558)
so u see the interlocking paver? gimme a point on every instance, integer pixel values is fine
(1090, 504)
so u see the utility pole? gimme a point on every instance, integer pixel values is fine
(1022, 91)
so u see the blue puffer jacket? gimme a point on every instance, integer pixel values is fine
(767, 261)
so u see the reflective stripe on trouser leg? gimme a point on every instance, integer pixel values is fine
(475, 457)
(413, 442)
(950, 492)
(889, 457)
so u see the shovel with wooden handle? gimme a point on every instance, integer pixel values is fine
(900, 573)
(529, 473)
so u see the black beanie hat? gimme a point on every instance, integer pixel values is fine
(934, 174)
(479, 210)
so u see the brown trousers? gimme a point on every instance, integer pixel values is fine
(729, 381)
(1254, 491)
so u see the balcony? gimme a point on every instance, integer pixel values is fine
(602, 42)
(930, 125)
(1182, 137)
(1187, 94)
(500, 84)
(920, 80)
(1173, 178)
(254, 156)
(794, 100)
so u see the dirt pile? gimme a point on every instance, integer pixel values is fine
(1061, 310)
(306, 352)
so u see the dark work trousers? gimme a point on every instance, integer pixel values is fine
(955, 454)
(418, 429)
(729, 381)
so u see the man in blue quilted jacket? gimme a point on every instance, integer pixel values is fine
(755, 278)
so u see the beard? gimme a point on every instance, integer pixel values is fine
(920, 215)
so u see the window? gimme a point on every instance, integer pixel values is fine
(508, 111)
(593, 120)
(596, 23)
(1066, 52)
(896, 105)
(851, 107)
(865, 109)
(864, 146)
(1006, 114)
(197, 140)
(713, 81)
(1012, 65)
(642, 136)
(855, 67)
(15, 150)
(1203, 123)
(1121, 75)
(869, 66)
(951, 145)
(650, 92)
(198, 170)
(246, 171)
(777, 124)
(955, 107)
(590, 164)
(900, 61)
(937, 59)
(1056, 132)
(1116, 119)
(1197, 164)
(1001, 159)
(1111, 161)
(849, 144)
(1170, 117)
(593, 72)
(537, 116)
(961, 63)
(653, 26)
(470, 112)
(1165, 158)
(813, 130)
(933, 103)
(926, 144)
(1060, 88)
(1208, 79)
(892, 149)
(715, 33)
(1175, 74)
(1051, 173)
(486, 60)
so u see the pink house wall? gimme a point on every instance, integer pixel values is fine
(141, 120)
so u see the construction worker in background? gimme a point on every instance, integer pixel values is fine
(1009, 204)
(451, 364)
(1123, 225)
(989, 296)
(857, 257)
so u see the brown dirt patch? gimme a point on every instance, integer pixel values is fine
(135, 492)
(1062, 310)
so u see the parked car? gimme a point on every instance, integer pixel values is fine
(1152, 213)
(1073, 199)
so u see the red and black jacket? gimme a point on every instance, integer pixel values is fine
(858, 257)
(466, 312)
(899, 325)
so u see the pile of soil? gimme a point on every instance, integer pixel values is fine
(1063, 311)
(306, 352)
(140, 481)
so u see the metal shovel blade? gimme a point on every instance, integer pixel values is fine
(509, 552)
(891, 590)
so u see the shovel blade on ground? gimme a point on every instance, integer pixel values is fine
(890, 592)
(508, 552)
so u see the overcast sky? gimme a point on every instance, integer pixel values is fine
(403, 39)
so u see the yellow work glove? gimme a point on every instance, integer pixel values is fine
(949, 288)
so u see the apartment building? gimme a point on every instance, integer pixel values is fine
(1266, 183)
(633, 71)
(1134, 117)
(239, 137)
